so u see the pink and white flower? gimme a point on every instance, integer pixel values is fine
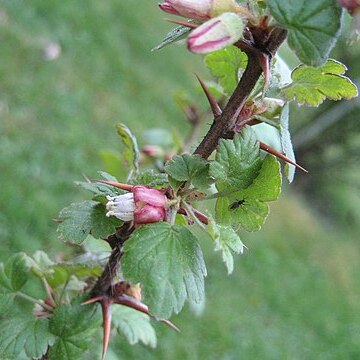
(142, 205)
(216, 34)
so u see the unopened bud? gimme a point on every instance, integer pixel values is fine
(198, 10)
(216, 34)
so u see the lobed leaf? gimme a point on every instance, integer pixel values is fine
(13, 276)
(227, 241)
(248, 208)
(225, 66)
(81, 219)
(311, 86)
(169, 263)
(134, 325)
(313, 26)
(151, 179)
(237, 162)
(26, 333)
(190, 168)
(73, 326)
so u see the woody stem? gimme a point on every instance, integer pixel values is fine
(237, 100)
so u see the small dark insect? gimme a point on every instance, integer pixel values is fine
(236, 204)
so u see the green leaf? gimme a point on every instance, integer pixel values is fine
(247, 209)
(225, 65)
(227, 241)
(13, 276)
(169, 263)
(134, 325)
(25, 333)
(174, 35)
(311, 86)
(313, 26)
(286, 144)
(191, 168)
(63, 271)
(237, 162)
(249, 216)
(131, 152)
(40, 264)
(73, 326)
(150, 178)
(81, 219)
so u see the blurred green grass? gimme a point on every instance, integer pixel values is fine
(294, 295)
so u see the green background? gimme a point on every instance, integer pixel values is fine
(294, 295)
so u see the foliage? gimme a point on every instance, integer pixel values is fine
(156, 248)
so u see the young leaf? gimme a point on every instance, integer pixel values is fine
(134, 325)
(175, 34)
(151, 179)
(190, 168)
(13, 276)
(313, 26)
(40, 264)
(311, 86)
(247, 208)
(237, 162)
(225, 65)
(81, 219)
(73, 326)
(169, 263)
(286, 144)
(227, 241)
(63, 271)
(25, 333)
(131, 153)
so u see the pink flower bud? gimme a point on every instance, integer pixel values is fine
(198, 9)
(152, 151)
(216, 34)
(143, 205)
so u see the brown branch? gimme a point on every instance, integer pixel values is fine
(116, 241)
(270, 44)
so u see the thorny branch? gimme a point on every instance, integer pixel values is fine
(248, 81)
(262, 41)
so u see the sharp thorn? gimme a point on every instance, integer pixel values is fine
(265, 65)
(279, 155)
(183, 23)
(107, 315)
(215, 108)
(139, 306)
(86, 178)
(171, 325)
(92, 300)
